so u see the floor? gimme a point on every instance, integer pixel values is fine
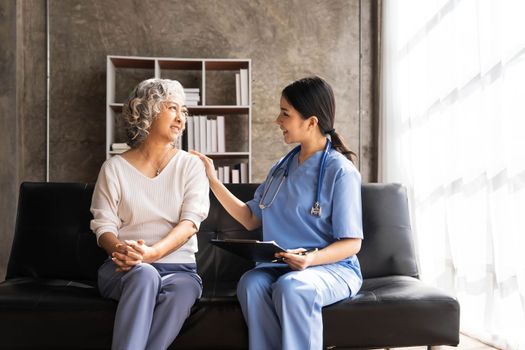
(465, 343)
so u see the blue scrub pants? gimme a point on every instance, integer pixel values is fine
(283, 308)
(154, 301)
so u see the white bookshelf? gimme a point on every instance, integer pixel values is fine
(199, 70)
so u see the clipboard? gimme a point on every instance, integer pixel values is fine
(254, 250)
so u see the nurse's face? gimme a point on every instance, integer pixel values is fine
(291, 123)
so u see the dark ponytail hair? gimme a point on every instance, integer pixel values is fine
(312, 96)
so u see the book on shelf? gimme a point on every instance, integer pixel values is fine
(118, 151)
(196, 133)
(220, 171)
(192, 96)
(238, 89)
(205, 135)
(202, 133)
(234, 174)
(208, 135)
(221, 136)
(226, 174)
(191, 103)
(189, 133)
(242, 95)
(119, 146)
(244, 87)
(244, 173)
(214, 132)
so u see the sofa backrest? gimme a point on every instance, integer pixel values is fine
(52, 236)
(53, 240)
(387, 247)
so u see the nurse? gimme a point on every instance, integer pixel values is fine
(310, 204)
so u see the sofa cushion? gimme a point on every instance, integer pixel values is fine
(390, 310)
(54, 314)
(398, 310)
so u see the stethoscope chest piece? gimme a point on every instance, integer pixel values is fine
(316, 209)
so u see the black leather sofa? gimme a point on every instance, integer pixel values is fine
(49, 298)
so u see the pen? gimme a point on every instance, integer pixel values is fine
(306, 252)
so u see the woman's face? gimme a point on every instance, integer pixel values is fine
(293, 126)
(170, 122)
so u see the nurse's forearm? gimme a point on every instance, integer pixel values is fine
(337, 251)
(234, 206)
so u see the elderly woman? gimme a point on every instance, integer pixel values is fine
(147, 206)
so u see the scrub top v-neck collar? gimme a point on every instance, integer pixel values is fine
(310, 163)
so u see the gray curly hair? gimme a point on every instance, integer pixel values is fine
(144, 105)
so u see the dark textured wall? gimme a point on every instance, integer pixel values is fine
(8, 128)
(22, 107)
(286, 40)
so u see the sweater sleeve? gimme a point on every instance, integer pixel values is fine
(196, 201)
(104, 204)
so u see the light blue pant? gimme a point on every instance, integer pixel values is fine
(283, 308)
(154, 301)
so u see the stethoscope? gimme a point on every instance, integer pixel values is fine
(316, 208)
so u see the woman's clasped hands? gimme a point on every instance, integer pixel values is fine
(130, 253)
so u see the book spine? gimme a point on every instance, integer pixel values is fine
(202, 133)
(244, 87)
(221, 140)
(235, 176)
(189, 132)
(208, 136)
(214, 144)
(244, 173)
(226, 174)
(238, 89)
(221, 174)
(197, 133)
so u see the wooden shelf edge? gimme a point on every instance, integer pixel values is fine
(117, 107)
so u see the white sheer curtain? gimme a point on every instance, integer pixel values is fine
(453, 131)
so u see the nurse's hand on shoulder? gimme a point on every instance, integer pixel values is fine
(295, 261)
(208, 165)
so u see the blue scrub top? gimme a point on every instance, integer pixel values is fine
(288, 221)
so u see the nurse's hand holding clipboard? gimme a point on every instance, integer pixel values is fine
(298, 259)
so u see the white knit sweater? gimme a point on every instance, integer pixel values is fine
(133, 206)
